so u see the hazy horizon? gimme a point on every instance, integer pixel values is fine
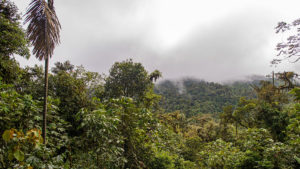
(213, 40)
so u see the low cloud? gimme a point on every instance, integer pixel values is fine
(98, 33)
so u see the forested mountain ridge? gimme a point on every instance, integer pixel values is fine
(193, 96)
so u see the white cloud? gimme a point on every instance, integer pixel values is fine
(215, 40)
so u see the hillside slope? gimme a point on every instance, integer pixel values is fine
(193, 96)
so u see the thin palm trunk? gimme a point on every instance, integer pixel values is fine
(236, 130)
(45, 100)
(43, 32)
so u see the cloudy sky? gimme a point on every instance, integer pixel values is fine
(215, 40)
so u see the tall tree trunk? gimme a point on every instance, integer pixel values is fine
(236, 130)
(273, 79)
(45, 100)
(126, 153)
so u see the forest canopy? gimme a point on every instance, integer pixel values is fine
(128, 120)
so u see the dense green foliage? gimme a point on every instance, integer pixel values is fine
(120, 122)
(193, 96)
(12, 41)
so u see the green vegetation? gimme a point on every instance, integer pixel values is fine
(121, 121)
(192, 96)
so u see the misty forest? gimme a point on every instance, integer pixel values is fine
(65, 116)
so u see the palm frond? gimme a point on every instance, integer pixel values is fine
(44, 28)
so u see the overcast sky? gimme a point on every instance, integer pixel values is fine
(215, 40)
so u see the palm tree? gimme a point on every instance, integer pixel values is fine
(44, 34)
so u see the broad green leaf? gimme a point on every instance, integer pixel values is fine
(10, 156)
(6, 135)
(19, 155)
(297, 159)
